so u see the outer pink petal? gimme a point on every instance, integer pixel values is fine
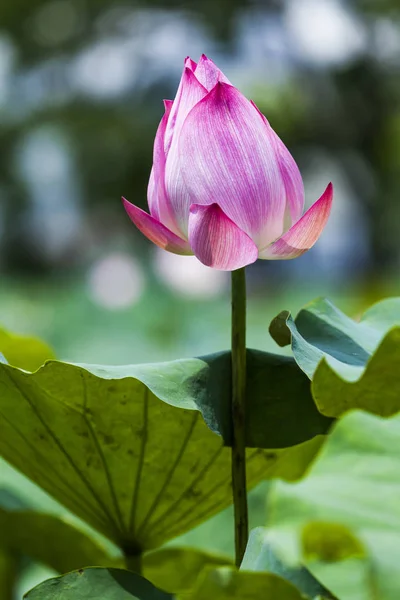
(152, 196)
(191, 92)
(157, 198)
(291, 176)
(155, 231)
(292, 181)
(227, 156)
(217, 241)
(208, 73)
(303, 234)
(168, 105)
(155, 190)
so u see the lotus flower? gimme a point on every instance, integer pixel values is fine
(223, 185)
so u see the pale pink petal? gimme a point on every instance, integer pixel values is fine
(152, 198)
(217, 241)
(227, 156)
(291, 176)
(191, 92)
(155, 231)
(190, 63)
(293, 182)
(208, 73)
(157, 198)
(303, 234)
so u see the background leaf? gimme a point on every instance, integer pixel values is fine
(62, 546)
(51, 541)
(352, 365)
(320, 330)
(229, 584)
(86, 584)
(176, 569)
(377, 390)
(261, 557)
(347, 505)
(23, 351)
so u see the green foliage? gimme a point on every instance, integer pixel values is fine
(260, 556)
(352, 365)
(175, 570)
(280, 408)
(86, 584)
(377, 390)
(50, 540)
(62, 546)
(113, 584)
(229, 584)
(141, 454)
(320, 330)
(135, 468)
(22, 351)
(347, 506)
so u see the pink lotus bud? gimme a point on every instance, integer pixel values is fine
(223, 185)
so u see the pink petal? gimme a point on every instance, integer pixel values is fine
(155, 231)
(227, 156)
(291, 176)
(158, 201)
(303, 234)
(293, 182)
(208, 73)
(152, 197)
(217, 241)
(190, 63)
(168, 105)
(191, 92)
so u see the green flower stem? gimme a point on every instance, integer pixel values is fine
(133, 561)
(239, 489)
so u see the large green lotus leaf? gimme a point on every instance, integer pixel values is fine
(137, 469)
(348, 505)
(261, 557)
(93, 583)
(22, 351)
(280, 408)
(320, 330)
(229, 584)
(51, 540)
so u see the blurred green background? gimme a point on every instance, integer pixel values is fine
(81, 89)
